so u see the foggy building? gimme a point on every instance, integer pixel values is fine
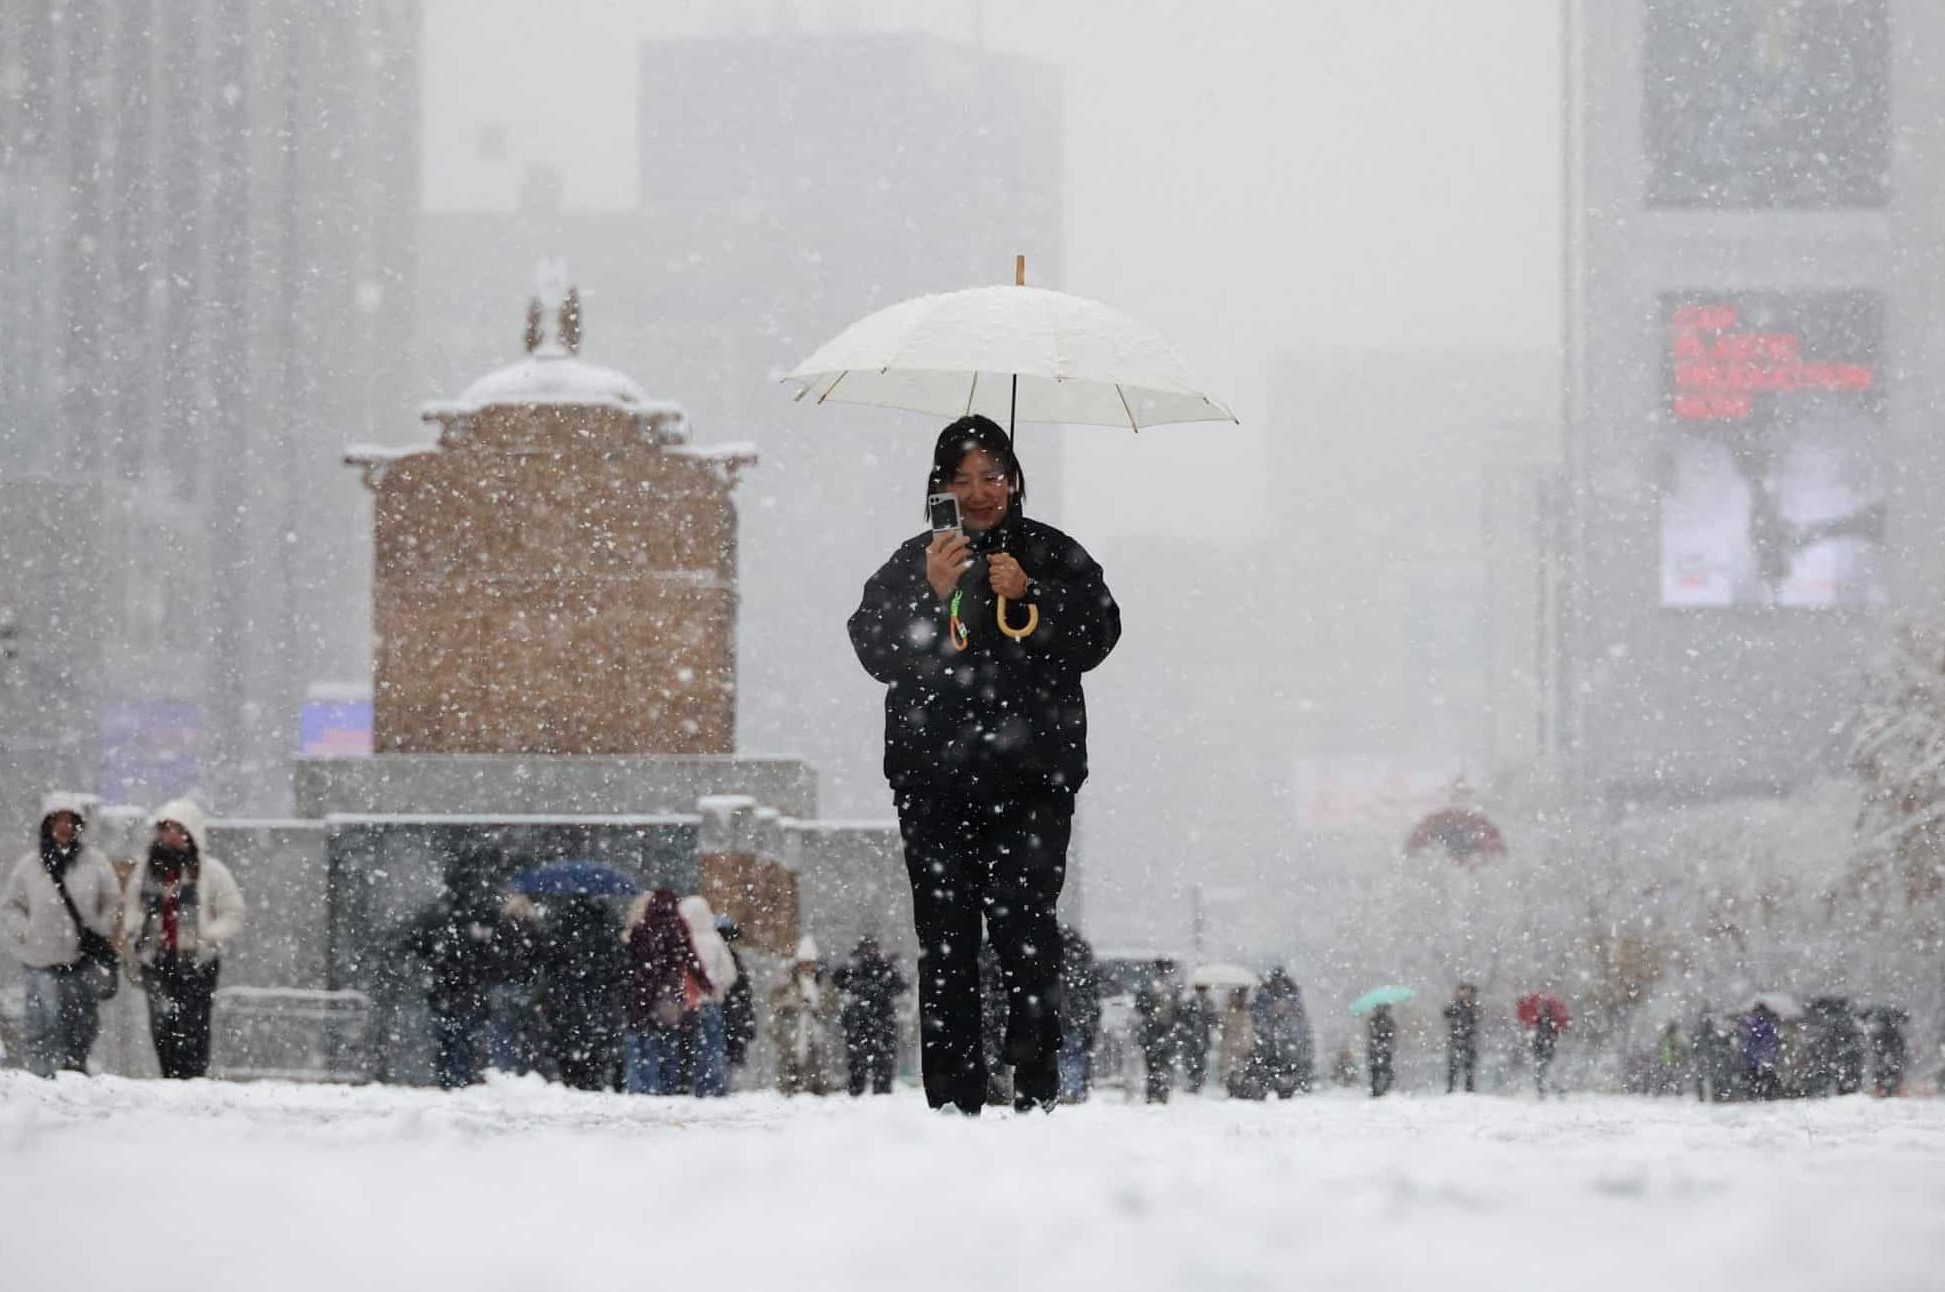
(206, 231)
(1756, 350)
(1414, 599)
(790, 184)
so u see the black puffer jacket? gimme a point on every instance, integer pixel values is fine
(1002, 715)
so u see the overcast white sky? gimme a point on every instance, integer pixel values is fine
(1249, 178)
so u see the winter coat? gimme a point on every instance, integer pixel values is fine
(718, 965)
(1238, 1034)
(34, 921)
(871, 985)
(209, 904)
(1462, 1025)
(1000, 716)
(662, 962)
(800, 1015)
(1080, 989)
(458, 941)
(583, 976)
(1762, 1046)
(1281, 1025)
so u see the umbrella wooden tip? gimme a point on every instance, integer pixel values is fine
(1020, 271)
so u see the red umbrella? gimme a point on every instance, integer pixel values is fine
(1529, 1007)
(1466, 834)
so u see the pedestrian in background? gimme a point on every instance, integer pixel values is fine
(1887, 1051)
(1672, 1061)
(663, 967)
(869, 985)
(510, 995)
(1237, 1068)
(1462, 1038)
(1546, 1038)
(1284, 1054)
(53, 894)
(182, 908)
(1381, 1049)
(1080, 1014)
(801, 1009)
(1195, 1033)
(1155, 1010)
(456, 938)
(582, 986)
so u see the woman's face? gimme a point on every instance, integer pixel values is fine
(981, 487)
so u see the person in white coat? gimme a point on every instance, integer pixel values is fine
(709, 1059)
(181, 910)
(48, 896)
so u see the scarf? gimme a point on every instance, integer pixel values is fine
(169, 894)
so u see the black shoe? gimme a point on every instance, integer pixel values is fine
(1027, 1103)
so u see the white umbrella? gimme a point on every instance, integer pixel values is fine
(1015, 354)
(1782, 1004)
(1222, 975)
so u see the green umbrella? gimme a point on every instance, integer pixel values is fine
(1370, 1000)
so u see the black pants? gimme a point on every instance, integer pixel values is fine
(870, 1048)
(1461, 1061)
(1001, 860)
(180, 992)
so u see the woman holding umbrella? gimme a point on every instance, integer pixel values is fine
(980, 635)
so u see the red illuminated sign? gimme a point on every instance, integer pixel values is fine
(1718, 370)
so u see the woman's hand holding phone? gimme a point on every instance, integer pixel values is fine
(946, 558)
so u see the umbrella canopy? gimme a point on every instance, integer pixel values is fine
(1529, 1007)
(575, 878)
(1222, 975)
(1466, 834)
(1013, 354)
(1780, 1003)
(1391, 995)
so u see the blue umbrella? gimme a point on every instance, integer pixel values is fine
(1370, 1000)
(572, 878)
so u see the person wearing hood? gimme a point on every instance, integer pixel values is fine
(51, 894)
(801, 1007)
(182, 908)
(870, 985)
(665, 975)
(980, 634)
(708, 1039)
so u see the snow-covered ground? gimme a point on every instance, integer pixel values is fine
(109, 1183)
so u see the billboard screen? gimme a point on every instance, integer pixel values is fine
(1773, 463)
(1767, 104)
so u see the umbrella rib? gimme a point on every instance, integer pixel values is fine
(833, 386)
(972, 393)
(1122, 395)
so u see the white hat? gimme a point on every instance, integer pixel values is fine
(806, 949)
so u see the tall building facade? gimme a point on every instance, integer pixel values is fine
(207, 219)
(791, 183)
(1757, 347)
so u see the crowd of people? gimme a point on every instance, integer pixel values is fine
(650, 997)
(1780, 1051)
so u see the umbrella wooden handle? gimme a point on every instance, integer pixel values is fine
(1033, 621)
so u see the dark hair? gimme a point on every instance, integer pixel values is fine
(962, 437)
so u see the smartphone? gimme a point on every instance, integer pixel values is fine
(943, 509)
